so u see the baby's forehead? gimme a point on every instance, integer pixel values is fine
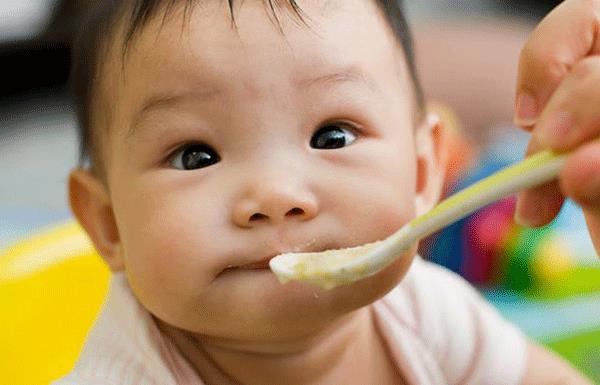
(213, 28)
(208, 39)
(208, 49)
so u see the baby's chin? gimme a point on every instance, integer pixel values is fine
(365, 292)
(272, 310)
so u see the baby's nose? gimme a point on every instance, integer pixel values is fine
(272, 204)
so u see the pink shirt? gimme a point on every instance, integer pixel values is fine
(439, 331)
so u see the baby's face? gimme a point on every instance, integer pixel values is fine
(229, 147)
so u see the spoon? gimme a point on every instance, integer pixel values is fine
(332, 268)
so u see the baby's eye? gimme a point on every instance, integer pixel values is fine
(331, 137)
(194, 156)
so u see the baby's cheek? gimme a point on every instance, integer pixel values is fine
(380, 195)
(167, 259)
(383, 211)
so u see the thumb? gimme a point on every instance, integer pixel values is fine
(580, 177)
(580, 180)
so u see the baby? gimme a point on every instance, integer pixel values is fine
(220, 134)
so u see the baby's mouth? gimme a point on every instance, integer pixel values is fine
(263, 264)
(259, 265)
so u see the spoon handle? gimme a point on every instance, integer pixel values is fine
(532, 171)
(343, 266)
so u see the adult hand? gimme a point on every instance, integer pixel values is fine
(558, 100)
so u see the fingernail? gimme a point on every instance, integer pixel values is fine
(526, 110)
(523, 216)
(557, 130)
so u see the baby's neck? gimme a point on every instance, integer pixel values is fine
(348, 351)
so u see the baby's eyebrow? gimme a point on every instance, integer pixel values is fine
(165, 100)
(348, 74)
(352, 74)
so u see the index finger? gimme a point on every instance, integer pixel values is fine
(568, 34)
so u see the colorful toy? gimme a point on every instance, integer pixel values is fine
(490, 250)
(546, 280)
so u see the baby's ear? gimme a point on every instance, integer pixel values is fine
(432, 153)
(92, 207)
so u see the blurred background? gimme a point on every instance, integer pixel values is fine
(547, 281)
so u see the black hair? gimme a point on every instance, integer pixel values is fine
(97, 29)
